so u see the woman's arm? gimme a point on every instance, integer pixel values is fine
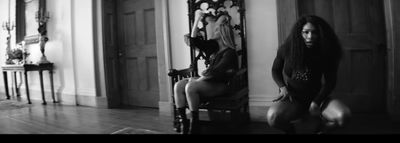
(277, 75)
(198, 15)
(277, 69)
(206, 46)
(188, 37)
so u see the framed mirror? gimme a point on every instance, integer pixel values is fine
(27, 24)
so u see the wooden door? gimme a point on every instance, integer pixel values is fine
(111, 54)
(137, 52)
(360, 25)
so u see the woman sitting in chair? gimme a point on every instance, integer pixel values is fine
(213, 81)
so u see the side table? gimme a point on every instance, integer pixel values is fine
(27, 68)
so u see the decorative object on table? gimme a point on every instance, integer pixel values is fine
(18, 55)
(8, 26)
(42, 17)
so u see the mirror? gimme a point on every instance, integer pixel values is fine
(28, 12)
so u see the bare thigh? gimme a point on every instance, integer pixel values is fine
(210, 89)
(180, 85)
(287, 111)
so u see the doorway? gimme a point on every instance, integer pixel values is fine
(130, 53)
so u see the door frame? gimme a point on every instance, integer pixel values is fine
(163, 56)
(391, 8)
(288, 13)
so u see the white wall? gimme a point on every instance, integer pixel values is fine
(83, 47)
(262, 37)
(179, 26)
(262, 26)
(59, 49)
(71, 48)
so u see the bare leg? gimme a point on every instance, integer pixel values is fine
(336, 114)
(181, 123)
(179, 93)
(197, 88)
(194, 89)
(281, 114)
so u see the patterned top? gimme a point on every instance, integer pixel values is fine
(306, 82)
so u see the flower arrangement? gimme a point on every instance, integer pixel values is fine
(17, 55)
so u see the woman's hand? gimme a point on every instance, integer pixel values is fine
(314, 109)
(283, 95)
(199, 14)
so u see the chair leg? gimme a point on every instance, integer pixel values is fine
(195, 123)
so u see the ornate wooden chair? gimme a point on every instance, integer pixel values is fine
(236, 104)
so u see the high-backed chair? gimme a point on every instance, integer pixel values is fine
(236, 104)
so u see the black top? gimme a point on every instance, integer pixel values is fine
(223, 65)
(307, 82)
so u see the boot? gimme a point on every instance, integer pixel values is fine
(194, 123)
(183, 121)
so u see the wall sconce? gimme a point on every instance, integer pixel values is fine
(42, 18)
(8, 26)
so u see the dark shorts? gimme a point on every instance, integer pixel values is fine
(305, 98)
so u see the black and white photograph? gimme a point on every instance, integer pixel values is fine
(200, 67)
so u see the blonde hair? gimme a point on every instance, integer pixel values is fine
(226, 31)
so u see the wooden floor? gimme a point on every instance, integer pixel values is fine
(61, 119)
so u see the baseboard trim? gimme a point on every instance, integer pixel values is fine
(64, 98)
(165, 108)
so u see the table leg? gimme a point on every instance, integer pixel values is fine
(52, 86)
(6, 84)
(16, 84)
(41, 86)
(27, 87)
(20, 83)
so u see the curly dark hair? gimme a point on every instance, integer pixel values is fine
(328, 42)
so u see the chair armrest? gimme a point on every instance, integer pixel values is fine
(182, 72)
(241, 72)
